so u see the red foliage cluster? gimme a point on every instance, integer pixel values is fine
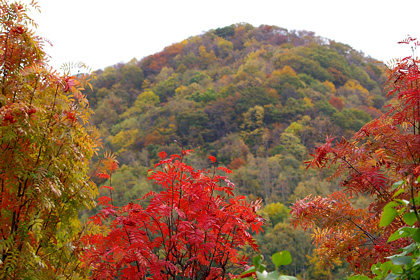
(190, 230)
(336, 102)
(384, 151)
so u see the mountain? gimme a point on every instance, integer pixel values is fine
(259, 99)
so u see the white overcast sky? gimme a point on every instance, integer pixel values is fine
(102, 33)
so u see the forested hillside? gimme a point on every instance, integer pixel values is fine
(259, 99)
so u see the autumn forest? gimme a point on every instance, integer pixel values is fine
(241, 153)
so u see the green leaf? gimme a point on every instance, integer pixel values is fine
(410, 218)
(402, 232)
(287, 277)
(386, 266)
(391, 276)
(402, 202)
(396, 235)
(401, 260)
(416, 236)
(398, 192)
(417, 262)
(415, 200)
(376, 270)
(418, 179)
(410, 248)
(388, 215)
(282, 258)
(381, 269)
(274, 276)
(259, 266)
(397, 184)
(268, 276)
(249, 270)
(391, 204)
(257, 260)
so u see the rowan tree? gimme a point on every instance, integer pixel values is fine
(45, 146)
(191, 229)
(384, 151)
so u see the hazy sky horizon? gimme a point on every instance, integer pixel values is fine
(104, 33)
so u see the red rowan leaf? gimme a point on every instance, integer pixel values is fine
(104, 200)
(180, 213)
(113, 166)
(212, 158)
(163, 162)
(226, 170)
(162, 155)
(108, 211)
(407, 40)
(257, 227)
(186, 152)
(175, 156)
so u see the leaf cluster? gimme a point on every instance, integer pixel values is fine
(259, 269)
(45, 147)
(192, 229)
(383, 151)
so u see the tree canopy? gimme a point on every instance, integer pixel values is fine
(46, 144)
